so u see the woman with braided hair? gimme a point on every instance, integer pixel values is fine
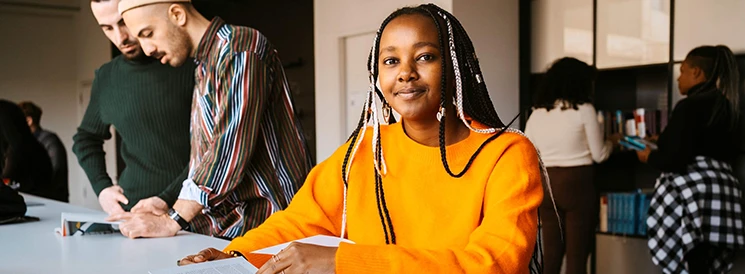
(448, 189)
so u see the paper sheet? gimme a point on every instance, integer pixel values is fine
(236, 265)
(321, 240)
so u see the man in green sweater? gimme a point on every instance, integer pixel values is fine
(149, 105)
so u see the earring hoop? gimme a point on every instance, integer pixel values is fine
(386, 111)
(441, 113)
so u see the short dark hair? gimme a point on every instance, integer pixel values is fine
(31, 110)
(569, 80)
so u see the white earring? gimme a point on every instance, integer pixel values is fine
(441, 114)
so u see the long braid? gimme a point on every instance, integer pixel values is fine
(378, 183)
(459, 77)
(359, 131)
(483, 109)
(352, 149)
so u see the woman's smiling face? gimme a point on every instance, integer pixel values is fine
(410, 67)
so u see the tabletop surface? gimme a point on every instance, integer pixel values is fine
(34, 247)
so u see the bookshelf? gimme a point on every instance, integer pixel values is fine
(626, 81)
(627, 89)
(624, 89)
(587, 29)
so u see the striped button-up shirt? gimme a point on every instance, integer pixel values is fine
(248, 153)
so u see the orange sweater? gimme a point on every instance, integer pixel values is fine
(483, 222)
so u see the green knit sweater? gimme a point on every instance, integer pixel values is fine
(149, 105)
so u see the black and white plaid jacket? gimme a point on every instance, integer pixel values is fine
(701, 205)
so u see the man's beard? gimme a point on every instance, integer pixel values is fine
(182, 51)
(135, 55)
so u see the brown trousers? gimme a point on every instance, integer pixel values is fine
(577, 203)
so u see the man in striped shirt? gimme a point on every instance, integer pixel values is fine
(248, 153)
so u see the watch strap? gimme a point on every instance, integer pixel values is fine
(173, 214)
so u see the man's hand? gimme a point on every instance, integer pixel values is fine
(302, 258)
(110, 197)
(209, 254)
(153, 205)
(145, 225)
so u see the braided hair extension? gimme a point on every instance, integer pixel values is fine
(476, 104)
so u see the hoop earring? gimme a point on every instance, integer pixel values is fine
(386, 111)
(441, 113)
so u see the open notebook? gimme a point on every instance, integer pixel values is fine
(240, 265)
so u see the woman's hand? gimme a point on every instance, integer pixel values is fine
(302, 258)
(206, 255)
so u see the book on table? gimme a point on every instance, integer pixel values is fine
(79, 224)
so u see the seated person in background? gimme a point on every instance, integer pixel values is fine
(24, 162)
(449, 189)
(564, 128)
(695, 154)
(54, 147)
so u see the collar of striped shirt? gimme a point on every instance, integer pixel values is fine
(208, 39)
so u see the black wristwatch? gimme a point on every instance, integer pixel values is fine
(176, 217)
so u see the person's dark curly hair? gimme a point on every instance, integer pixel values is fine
(569, 80)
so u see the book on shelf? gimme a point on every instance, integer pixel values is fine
(624, 213)
(603, 227)
(639, 123)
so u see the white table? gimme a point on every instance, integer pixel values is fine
(35, 248)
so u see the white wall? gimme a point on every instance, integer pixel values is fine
(494, 30)
(49, 61)
(492, 25)
(706, 22)
(632, 32)
(559, 29)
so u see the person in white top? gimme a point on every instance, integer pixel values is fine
(565, 129)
